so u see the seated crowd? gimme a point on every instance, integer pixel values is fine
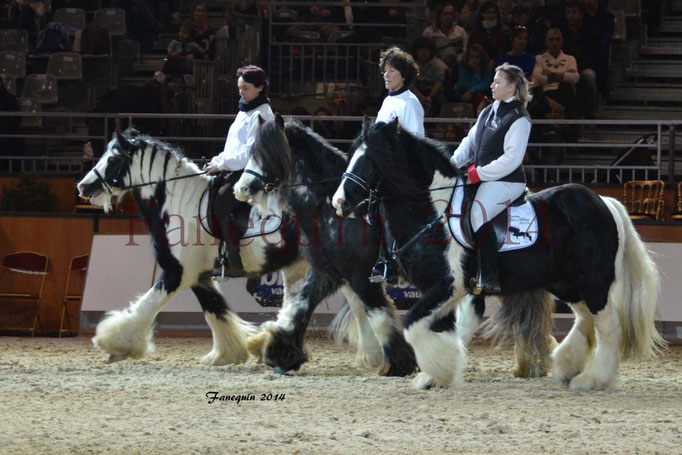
(562, 45)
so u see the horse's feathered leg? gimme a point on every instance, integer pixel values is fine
(128, 333)
(397, 358)
(569, 358)
(441, 356)
(360, 332)
(230, 332)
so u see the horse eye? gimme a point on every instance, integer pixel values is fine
(112, 159)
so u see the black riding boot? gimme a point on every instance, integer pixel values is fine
(231, 240)
(385, 268)
(488, 281)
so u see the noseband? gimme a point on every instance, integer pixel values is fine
(121, 167)
(268, 187)
(372, 198)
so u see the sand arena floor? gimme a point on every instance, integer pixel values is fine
(60, 397)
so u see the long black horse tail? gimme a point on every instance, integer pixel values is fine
(526, 318)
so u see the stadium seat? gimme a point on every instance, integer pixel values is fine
(13, 64)
(70, 17)
(15, 40)
(65, 66)
(30, 105)
(111, 19)
(42, 87)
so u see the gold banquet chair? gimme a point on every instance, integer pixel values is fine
(22, 278)
(644, 199)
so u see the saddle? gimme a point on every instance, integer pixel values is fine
(249, 220)
(515, 228)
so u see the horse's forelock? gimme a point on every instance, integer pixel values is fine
(388, 152)
(272, 153)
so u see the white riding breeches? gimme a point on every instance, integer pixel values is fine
(491, 199)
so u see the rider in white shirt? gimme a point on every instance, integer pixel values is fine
(399, 71)
(254, 105)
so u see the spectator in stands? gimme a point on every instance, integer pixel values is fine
(181, 52)
(198, 19)
(324, 128)
(428, 85)
(141, 23)
(475, 77)
(450, 39)
(254, 105)
(466, 14)
(520, 15)
(557, 73)
(488, 30)
(518, 55)
(602, 20)
(229, 30)
(325, 21)
(544, 18)
(385, 12)
(581, 41)
(31, 16)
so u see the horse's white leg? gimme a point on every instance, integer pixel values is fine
(570, 357)
(230, 332)
(293, 279)
(467, 320)
(370, 354)
(128, 333)
(600, 372)
(441, 356)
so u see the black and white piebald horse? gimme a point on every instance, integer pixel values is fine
(168, 189)
(588, 254)
(305, 170)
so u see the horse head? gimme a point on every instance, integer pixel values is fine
(269, 166)
(107, 176)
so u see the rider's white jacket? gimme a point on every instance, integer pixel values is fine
(240, 139)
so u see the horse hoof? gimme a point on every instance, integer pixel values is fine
(113, 358)
(278, 371)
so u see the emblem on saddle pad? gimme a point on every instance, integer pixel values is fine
(516, 228)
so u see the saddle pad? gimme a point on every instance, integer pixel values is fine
(522, 230)
(262, 223)
(259, 223)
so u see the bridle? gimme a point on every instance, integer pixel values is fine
(268, 187)
(119, 173)
(373, 198)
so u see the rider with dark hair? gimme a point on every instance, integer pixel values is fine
(399, 71)
(253, 106)
(492, 155)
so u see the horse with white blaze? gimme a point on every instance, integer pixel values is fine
(587, 254)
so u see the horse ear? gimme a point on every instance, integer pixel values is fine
(123, 142)
(394, 125)
(366, 122)
(279, 121)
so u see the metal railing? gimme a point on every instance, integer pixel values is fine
(204, 135)
(306, 56)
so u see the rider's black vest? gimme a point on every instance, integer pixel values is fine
(490, 136)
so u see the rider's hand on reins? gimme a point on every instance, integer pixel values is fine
(211, 169)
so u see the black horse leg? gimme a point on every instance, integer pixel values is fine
(284, 351)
